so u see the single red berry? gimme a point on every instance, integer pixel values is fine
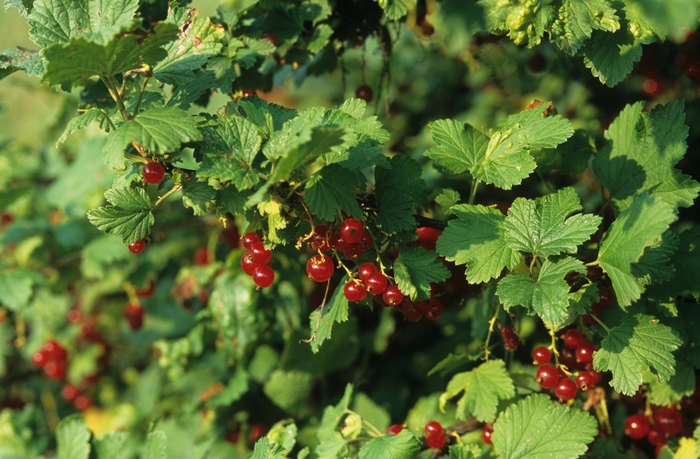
(366, 241)
(147, 292)
(394, 429)
(411, 311)
(354, 252)
(354, 292)
(565, 389)
(434, 309)
(40, 358)
(433, 429)
(427, 237)
(55, 351)
(512, 341)
(201, 256)
(133, 313)
(436, 442)
(263, 276)
(365, 269)
(270, 37)
(257, 430)
(392, 295)
(653, 87)
(137, 247)
(541, 355)
(668, 420)
(56, 370)
(232, 436)
(636, 426)
(692, 71)
(567, 357)
(153, 172)
(6, 218)
(593, 273)
(248, 92)
(606, 297)
(585, 379)
(82, 402)
(352, 230)
(320, 239)
(69, 392)
(486, 433)
(249, 239)
(376, 283)
(656, 436)
(597, 311)
(584, 352)
(338, 243)
(547, 376)
(248, 263)
(596, 376)
(320, 268)
(260, 254)
(572, 338)
(364, 92)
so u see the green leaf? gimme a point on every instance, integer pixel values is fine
(16, 287)
(80, 59)
(395, 9)
(83, 120)
(580, 17)
(687, 264)
(228, 150)
(641, 153)
(483, 387)
(644, 221)
(361, 156)
(231, 200)
(681, 384)
(447, 199)
(571, 157)
(336, 310)
(321, 142)
(288, 389)
(371, 412)
(188, 93)
(606, 448)
(538, 427)
(73, 438)
(639, 343)
(545, 227)
(331, 190)
(460, 147)
(477, 238)
(610, 56)
(332, 415)
(234, 309)
(159, 130)
(547, 295)
(198, 196)
(395, 213)
(655, 266)
(20, 58)
(129, 216)
(403, 177)
(111, 445)
(471, 451)
(199, 39)
(401, 446)
(265, 449)
(665, 18)
(414, 270)
(236, 387)
(284, 433)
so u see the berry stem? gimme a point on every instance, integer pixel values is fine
(320, 314)
(492, 324)
(472, 195)
(174, 189)
(600, 322)
(138, 100)
(131, 293)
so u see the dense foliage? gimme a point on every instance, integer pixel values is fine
(346, 229)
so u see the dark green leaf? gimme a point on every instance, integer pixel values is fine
(414, 270)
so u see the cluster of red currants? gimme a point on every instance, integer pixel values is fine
(53, 359)
(255, 261)
(657, 427)
(435, 435)
(414, 311)
(576, 354)
(510, 337)
(605, 300)
(72, 394)
(351, 240)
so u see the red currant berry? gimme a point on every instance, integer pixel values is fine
(584, 380)
(352, 230)
(137, 247)
(319, 241)
(584, 352)
(353, 252)
(692, 71)
(436, 442)
(412, 311)
(69, 392)
(392, 295)
(270, 37)
(133, 313)
(56, 370)
(201, 256)
(433, 429)
(248, 264)
(606, 297)
(257, 430)
(366, 241)
(320, 268)
(260, 254)
(656, 436)
(572, 338)
(364, 92)
(547, 376)
(366, 269)
(636, 426)
(338, 243)
(394, 429)
(596, 376)
(427, 237)
(248, 92)
(40, 358)
(354, 292)
(6, 218)
(512, 341)
(565, 389)
(434, 309)
(249, 239)
(376, 283)
(55, 351)
(668, 420)
(486, 433)
(567, 357)
(153, 172)
(593, 273)
(82, 402)
(263, 276)
(541, 355)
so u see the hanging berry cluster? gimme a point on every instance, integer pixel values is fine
(53, 359)
(255, 261)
